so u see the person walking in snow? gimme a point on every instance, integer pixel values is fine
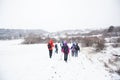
(50, 47)
(77, 48)
(73, 49)
(56, 48)
(61, 45)
(65, 50)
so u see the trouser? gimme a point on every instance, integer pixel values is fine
(76, 53)
(65, 56)
(50, 53)
(73, 53)
(56, 50)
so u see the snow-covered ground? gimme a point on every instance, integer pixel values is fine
(32, 62)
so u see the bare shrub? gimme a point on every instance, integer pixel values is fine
(115, 45)
(100, 44)
(115, 42)
(33, 39)
(71, 39)
(87, 42)
(118, 71)
(106, 65)
(118, 40)
(111, 28)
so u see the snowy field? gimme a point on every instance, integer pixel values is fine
(31, 62)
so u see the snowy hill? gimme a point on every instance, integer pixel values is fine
(69, 33)
(31, 62)
(22, 33)
(19, 33)
(86, 32)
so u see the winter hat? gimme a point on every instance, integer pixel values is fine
(65, 43)
(50, 41)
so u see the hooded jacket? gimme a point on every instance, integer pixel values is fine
(67, 47)
(51, 44)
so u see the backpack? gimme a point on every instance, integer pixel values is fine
(49, 46)
(66, 49)
(76, 47)
(73, 48)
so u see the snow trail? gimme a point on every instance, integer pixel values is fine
(32, 62)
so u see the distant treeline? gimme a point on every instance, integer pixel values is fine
(112, 31)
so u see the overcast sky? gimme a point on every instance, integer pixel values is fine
(55, 15)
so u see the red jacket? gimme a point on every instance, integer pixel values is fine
(51, 44)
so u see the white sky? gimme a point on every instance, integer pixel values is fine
(55, 15)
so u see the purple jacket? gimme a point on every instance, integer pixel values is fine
(63, 48)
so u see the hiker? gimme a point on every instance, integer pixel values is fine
(77, 48)
(73, 49)
(61, 45)
(56, 48)
(65, 50)
(50, 47)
